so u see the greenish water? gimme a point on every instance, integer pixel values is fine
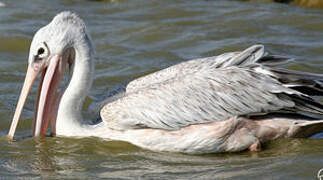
(134, 38)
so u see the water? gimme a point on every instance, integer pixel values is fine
(134, 38)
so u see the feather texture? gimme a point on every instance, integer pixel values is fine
(207, 90)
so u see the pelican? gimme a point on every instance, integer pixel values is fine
(227, 103)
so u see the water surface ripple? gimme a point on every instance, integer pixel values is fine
(137, 37)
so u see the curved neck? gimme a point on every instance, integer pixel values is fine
(69, 118)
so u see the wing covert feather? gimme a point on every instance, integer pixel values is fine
(243, 58)
(214, 89)
(198, 97)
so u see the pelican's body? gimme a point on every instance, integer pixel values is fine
(230, 102)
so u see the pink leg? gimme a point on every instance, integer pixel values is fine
(256, 146)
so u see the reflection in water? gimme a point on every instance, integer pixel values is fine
(44, 161)
(92, 157)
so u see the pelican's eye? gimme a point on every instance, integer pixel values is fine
(42, 51)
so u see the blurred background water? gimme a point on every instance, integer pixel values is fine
(137, 37)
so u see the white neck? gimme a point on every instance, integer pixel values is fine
(69, 118)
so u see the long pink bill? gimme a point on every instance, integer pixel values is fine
(48, 99)
(31, 75)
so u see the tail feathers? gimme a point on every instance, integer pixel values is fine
(307, 104)
(290, 74)
(308, 83)
(305, 129)
(309, 88)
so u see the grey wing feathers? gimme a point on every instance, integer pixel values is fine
(179, 70)
(101, 101)
(211, 89)
(307, 83)
(249, 56)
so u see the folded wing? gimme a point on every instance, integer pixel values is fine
(213, 89)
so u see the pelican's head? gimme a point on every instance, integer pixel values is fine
(51, 50)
